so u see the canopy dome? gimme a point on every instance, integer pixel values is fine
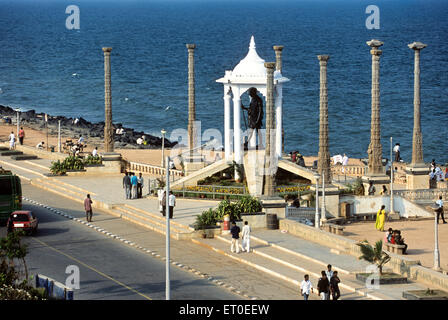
(252, 65)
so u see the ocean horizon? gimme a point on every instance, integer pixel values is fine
(46, 67)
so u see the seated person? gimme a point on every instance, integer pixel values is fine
(399, 240)
(95, 152)
(119, 131)
(40, 145)
(81, 140)
(139, 141)
(389, 235)
(300, 160)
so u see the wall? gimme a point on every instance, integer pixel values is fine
(368, 204)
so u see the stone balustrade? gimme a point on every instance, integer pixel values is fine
(151, 169)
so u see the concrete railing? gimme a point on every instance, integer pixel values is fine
(151, 169)
(424, 194)
(54, 289)
(350, 170)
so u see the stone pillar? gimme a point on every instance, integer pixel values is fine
(323, 163)
(191, 99)
(108, 128)
(278, 105)
(269, 171)
(417, 171)
(278, 58)
(376, 172)
(227, 133)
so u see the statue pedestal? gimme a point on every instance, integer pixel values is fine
(378, 182)
(112, 162)
(274, 205)
(417, 177)
(193, 163)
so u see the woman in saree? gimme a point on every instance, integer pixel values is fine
(380, 218)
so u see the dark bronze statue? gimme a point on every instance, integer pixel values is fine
(255, 114)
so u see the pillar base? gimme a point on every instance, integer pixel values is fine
(274, 205)
(193, 163)
(417, 177)
(112, 162)
(378, 182)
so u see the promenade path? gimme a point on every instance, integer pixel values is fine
(278, 255)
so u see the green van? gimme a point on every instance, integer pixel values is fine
(10, 194)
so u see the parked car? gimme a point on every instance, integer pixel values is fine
(23, 220)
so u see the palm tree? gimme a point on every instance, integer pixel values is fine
(374, 255)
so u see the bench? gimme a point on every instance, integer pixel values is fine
(364, 216)
(334, 228)
(395, 248)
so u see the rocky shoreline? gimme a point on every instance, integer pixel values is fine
(83, 127)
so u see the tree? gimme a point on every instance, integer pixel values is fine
(374, 255)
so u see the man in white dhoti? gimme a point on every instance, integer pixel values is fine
(344, 162)
(246, 237)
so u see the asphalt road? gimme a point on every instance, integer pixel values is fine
(108, 269)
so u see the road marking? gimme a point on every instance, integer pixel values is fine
(92, 268)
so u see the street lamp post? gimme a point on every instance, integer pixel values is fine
(436, 244)
(323, 214)
(59, 136)
(18, 121)
(316, 218)
(391, 180)
(163, 147)
(167, 217)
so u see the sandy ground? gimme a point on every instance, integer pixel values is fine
(148, 156)
(418, 235)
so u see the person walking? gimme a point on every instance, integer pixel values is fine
(134, 181)
(439, 210)
(88, 208)
(306, 287)
(235, 231)
(12, 141)
(380, 218)
(171, 203)
(323, 287)
(246, 237)
(21, 135)
(329, 272)
(334, 286)
(127, 185)
(139, 186)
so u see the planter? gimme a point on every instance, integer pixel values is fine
(255, 220)
(425, 295)
(385, 278)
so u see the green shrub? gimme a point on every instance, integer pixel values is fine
(93, 160)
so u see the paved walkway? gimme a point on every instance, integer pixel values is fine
(279, 255)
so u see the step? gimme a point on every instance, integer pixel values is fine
(10, 153)
(158, 217)
(58, 189)
(23, 157)
(59, 181)
(280, 270)
(146, 222)
(150, 219)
